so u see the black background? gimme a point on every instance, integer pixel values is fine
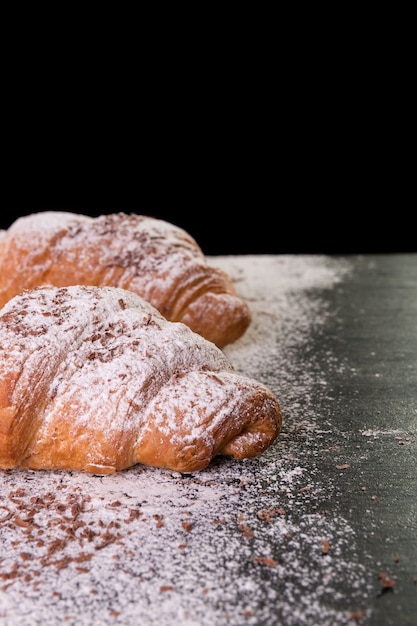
(265, 227)
(284, 157)
(237, 200)
(323, 183)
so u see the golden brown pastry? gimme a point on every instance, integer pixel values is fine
(151, 257)
(96, 379)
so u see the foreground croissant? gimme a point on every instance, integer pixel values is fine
(96, 379)
(151, 257)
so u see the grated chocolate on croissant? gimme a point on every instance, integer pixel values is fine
(96, 379)
(153, 258)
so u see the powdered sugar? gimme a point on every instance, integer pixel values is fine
(240, 543)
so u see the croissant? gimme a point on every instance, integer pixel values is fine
(96, 379)
(153, 258)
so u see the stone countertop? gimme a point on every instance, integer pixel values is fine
(319, 530)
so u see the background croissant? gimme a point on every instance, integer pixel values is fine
(96, 379)
(153, 258)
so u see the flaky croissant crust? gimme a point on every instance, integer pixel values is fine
(153, 258)
(96, 379)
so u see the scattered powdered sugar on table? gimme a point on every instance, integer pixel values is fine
(241, 543)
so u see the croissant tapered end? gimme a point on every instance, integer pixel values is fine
(153, 258)
(96, 379)
(220, 317)
(225, 414)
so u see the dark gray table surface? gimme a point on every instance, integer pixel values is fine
(375, 332)
(321, 530)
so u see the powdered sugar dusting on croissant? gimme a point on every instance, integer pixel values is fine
(153, 258)
(96, 379)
